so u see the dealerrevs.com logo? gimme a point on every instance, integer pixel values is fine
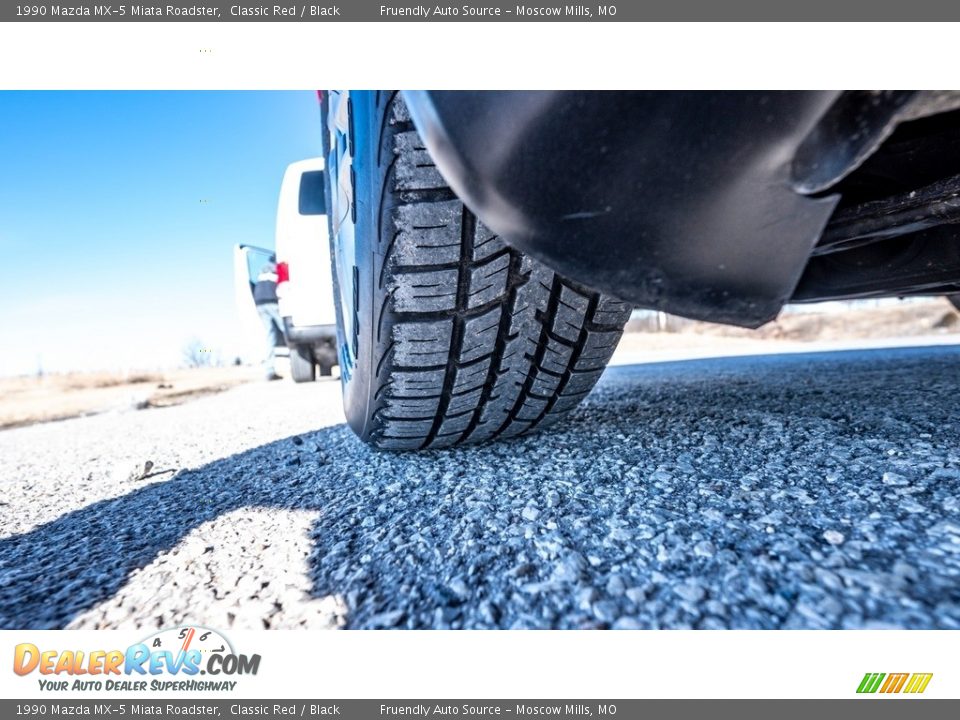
(890, 683)
(182, 653)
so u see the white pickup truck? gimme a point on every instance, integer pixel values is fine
(304, 284)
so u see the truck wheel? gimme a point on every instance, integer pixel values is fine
(446, 334)
(302, 367)
(325, 356)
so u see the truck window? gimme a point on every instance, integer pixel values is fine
(311, 193)
(256, 259)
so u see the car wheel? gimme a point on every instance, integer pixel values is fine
(302, 366)
(446, 334)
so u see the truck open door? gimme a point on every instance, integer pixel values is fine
(247, 261)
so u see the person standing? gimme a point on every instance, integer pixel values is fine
(265, 297)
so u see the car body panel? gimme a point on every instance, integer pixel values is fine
(678, 201)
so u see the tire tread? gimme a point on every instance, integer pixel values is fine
(475, 340)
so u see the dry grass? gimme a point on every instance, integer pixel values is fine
(933, 317)
(28, 400)
(85, 381)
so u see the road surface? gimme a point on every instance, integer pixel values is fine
(785, 491)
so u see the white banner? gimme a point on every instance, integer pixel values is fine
(488, 664)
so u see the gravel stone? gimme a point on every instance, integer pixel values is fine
(834, 537)
(690, 591)
(616, 585)
(892, 478)
(605, 611)
(704, 549)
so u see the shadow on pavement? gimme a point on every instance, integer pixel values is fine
(813, 490)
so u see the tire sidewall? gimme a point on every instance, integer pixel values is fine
(363, 222)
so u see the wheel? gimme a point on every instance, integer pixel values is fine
(302, 367)
(325, 356)
(446, 335)
(954, 300)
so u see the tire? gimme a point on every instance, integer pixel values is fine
(446, 334)
(325, 356)
(302, 367)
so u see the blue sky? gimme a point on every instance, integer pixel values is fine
(118, 213)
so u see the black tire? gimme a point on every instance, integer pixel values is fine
(302, 367)
(325, 356)
(954, 300)
(447, 335)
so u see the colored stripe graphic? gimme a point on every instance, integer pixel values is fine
(894, 683)
(918, 682)
(870, 682)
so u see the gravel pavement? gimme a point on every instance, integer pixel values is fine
(788, 491)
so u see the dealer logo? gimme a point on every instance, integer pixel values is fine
(182, 652)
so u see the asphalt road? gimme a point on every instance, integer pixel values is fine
(791, 491)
